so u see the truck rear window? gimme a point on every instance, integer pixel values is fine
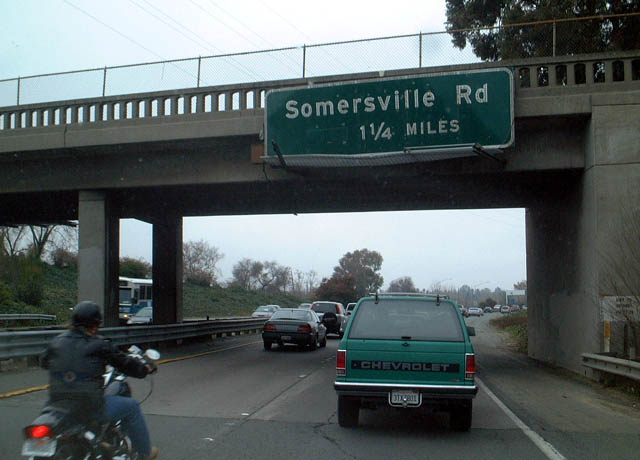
(396, 319)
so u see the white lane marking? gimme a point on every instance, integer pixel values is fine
(538, 440)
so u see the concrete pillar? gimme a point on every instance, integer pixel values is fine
(167, 270)
(569, 237)
(98, 251)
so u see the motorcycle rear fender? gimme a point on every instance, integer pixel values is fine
(51, 416)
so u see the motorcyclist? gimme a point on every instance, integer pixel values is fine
(76, 360)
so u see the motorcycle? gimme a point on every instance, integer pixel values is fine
(54, 434)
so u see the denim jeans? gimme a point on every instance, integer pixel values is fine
(128, 410)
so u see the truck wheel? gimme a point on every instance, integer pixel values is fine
(348, 411)
(460, 416)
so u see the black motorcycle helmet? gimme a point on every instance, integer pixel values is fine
(86, 314)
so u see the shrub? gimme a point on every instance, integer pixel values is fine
(134, 268)
(29, 280)
(63, 258)
(5, 293)
(200, 278)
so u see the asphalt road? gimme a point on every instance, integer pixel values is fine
(238, 401)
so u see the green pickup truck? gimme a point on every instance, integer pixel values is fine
(407, 351)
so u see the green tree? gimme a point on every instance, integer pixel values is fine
(403, 284)
(134, 268)
(339, 288)
(364, 266)
(467, 18)
(522, 285)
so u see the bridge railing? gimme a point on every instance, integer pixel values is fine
(33, 343)
(573, 72)
(550, 38)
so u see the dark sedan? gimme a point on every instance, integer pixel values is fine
(293, 325)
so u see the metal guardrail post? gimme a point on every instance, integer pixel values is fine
(304, 60)
(104, 82)
(18, 93)
(199, 65)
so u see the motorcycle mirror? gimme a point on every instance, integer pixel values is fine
(152, 354)
(135, 350)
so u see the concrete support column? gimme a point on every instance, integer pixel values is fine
(167, 270)
(98, 251)
(570, 237)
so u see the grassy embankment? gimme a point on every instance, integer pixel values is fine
(60, 295)
(515, 324)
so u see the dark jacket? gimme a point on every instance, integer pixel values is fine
(76, 363)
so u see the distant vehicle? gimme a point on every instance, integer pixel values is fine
(144, 316)
(332, 315)
(135, 293)
(406, 352)
(505, 309)
(294, 325)
(305, 305)
(488, 310)
(474, 311)
(515, 307)
(265, 311)
(496, 307)
(350, 307)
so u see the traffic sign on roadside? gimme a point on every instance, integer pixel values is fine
(392, 114)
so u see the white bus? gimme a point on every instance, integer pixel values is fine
(135, 293)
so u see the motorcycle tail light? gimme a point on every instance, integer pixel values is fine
(38, 431)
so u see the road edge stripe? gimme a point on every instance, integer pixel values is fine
(545, 447)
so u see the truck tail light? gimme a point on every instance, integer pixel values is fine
(470, 366)
(341, 363)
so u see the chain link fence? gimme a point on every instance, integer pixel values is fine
(541, 39)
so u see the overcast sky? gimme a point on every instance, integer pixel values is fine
(484, 248)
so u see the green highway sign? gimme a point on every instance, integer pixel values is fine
(393, 114)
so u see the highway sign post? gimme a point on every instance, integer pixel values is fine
(392, 114)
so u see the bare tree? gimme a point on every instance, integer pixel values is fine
(242, 273)
(200, 261)
(311, 281)
(12, 240)
(15, 240)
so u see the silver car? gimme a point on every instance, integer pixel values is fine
(265, 311)
(144, 316)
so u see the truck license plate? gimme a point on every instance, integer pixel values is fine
(41, 447)
(405, 398)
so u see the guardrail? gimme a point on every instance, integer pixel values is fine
(608, 364)
(34, 343)
(28, 316)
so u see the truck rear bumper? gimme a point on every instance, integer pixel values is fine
(369, 390)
